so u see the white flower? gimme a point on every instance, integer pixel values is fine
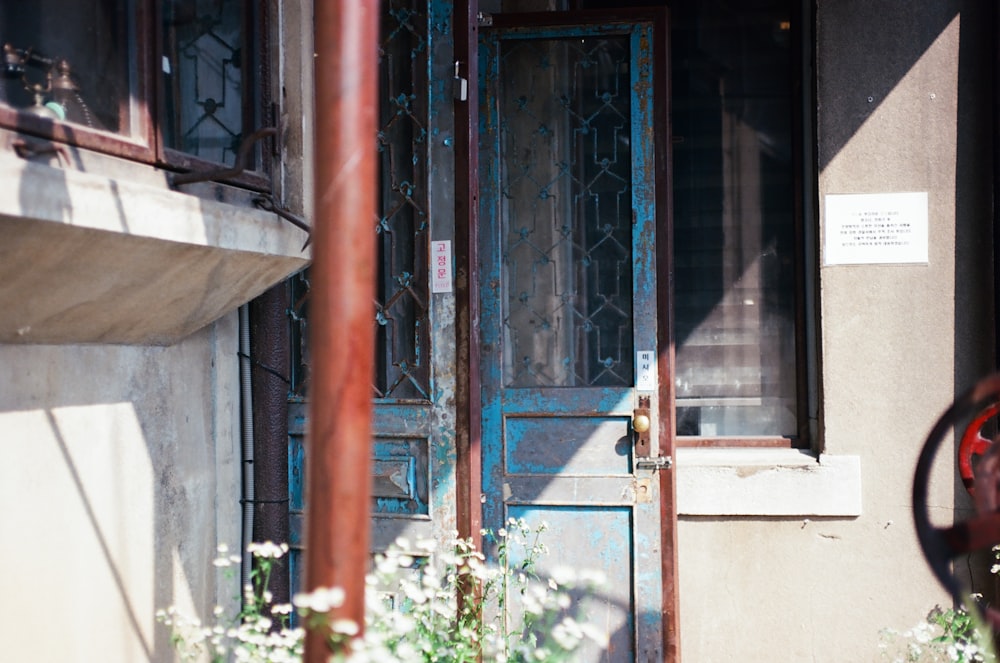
(320, 600)
(267, 550)
(345, 627)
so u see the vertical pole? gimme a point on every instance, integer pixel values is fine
(338, 449)
(468, 405)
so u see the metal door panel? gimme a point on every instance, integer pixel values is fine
(569, 490)
(610, 609)
(576, 448)
(568, 400)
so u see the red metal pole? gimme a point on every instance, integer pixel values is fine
(338, 450)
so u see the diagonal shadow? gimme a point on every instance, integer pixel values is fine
(99, 535)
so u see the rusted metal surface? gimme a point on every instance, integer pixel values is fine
(941, 544)
(670, 608)
(269, 360)
(468, 406)
(343, 273)
(244, 160)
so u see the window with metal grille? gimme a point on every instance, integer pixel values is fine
(402, 226)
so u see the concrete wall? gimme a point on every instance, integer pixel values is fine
(120, 475)
(903, 105)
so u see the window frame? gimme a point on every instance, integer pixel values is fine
(803, 200)
(145, 145)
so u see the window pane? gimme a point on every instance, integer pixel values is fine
(734, 219)
(68, 60)
(566, 213)
(401, 329)
(203, 99)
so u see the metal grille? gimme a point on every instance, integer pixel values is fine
(402, 292)
(203, 77)
(567, 212)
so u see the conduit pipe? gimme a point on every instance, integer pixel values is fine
(246, 439)
(269, 365)
(338, 449)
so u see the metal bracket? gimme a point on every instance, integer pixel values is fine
(654, 463)
(243, 161)
(460, 86)
(269, 204)
(485, 20)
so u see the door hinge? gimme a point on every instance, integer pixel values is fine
(485, 20)
(654, 463)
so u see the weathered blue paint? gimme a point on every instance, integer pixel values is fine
(564, 454)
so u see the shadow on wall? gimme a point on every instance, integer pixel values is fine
(893, 35)
(113, 457)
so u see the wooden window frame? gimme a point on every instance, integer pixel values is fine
(145, 145)
(803, 438)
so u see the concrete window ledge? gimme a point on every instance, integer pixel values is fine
(91, 259)
(766, 482)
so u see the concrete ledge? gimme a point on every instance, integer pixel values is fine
(91, 259)
(766, 482)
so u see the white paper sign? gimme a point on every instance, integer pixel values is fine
(871, 228)
(441, 266)
(645, 370)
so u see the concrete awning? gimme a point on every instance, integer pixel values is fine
(90, 259)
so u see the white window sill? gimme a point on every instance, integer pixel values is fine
(766, 482)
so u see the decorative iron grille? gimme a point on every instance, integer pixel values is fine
(567, 212)
(203, 68)
(402, 292)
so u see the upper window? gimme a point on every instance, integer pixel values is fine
(179, 83)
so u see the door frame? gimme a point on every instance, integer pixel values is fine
(467, 21)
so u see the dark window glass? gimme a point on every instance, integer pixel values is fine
(734, 219)
(402, 228)
(69, 61)
(203, 69)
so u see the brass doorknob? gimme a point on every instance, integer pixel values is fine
(640, 423)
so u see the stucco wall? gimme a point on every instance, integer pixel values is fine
(903, 104)
(120, 474)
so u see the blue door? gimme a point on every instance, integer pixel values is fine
(568, 307)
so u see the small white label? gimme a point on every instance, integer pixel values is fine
(645, 370)
(166, 65)
(441, 266)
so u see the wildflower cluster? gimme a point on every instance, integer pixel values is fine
(423, 603)
(259, 633)
(950, 634)
(947, 634)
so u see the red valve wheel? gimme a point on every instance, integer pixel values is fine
(942, 544)
(973, 444)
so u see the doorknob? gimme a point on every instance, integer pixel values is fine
(641, 424)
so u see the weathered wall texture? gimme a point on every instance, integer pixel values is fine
(120, 474)
(903, 105)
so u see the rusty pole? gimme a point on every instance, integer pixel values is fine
(341, 336)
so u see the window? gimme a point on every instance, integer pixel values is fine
(402, 227)
(178, 83)
(737, 250)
